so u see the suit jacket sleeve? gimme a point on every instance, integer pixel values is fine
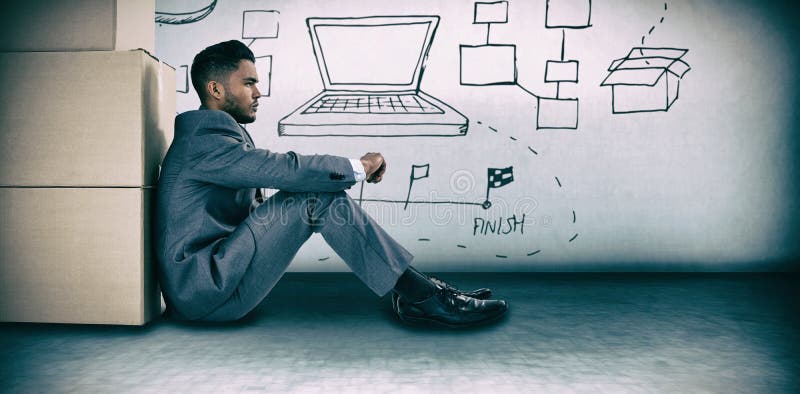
(221, 156)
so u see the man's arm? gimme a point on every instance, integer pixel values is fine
(221, 156)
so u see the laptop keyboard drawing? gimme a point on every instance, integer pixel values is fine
(373, 104)
(371, 69)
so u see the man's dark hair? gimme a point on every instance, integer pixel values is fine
(216, 62)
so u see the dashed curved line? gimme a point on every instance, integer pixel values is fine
(492, 128)
(534, 152)
(323, 259)
(512, 138)
(559, 181)
(500, 256)
(462, 246)
(424, 239)
(573, 237)
(534, 252)
(573, 216)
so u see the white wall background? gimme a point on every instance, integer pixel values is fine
(708, 185)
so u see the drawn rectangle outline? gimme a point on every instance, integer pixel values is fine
(489, 12)
(561, 71)
(413, 86)
(269, 74)
(568, 25)
(246, 34)
(503, 80)
(539, 120)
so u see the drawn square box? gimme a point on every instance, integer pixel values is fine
(494, 12)
(554, 113)
(558, 71)
(483, 65)
(574, 14)
(264, 69)
(260, 24)
(646, 80)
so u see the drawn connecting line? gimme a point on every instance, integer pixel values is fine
(646, 80)
(497, 177)
(417, 172)
(258, 24)
(371, 70)
(653, 27)
(182, 18)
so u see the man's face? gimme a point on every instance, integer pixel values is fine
(241, 93)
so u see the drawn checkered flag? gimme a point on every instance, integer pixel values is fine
(499, 177)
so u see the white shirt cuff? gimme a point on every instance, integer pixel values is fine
(358, 170)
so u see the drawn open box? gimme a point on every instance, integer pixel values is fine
(646, 80)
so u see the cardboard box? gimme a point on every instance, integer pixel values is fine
(84, 118)
(77, 255)
(77, 25)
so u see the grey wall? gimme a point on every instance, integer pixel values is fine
(708, 185)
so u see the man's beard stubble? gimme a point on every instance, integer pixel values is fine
(232, 108)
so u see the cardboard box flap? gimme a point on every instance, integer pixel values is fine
(645, 66)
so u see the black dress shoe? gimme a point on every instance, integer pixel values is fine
(481, 294)
(448, 308)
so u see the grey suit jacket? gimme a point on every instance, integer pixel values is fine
(205, 191)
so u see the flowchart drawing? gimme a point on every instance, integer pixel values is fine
(371, 69)
(568, 14)
(257, 24)
(496, 64)
(182, 18)
(488, 64)
(646, 80)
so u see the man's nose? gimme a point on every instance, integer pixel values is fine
(256, 92)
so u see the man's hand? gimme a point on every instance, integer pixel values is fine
(374, 166)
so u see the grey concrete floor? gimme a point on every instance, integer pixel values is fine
(584, 333)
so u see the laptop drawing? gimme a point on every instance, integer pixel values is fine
(371, 69)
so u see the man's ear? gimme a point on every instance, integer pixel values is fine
(215, 90)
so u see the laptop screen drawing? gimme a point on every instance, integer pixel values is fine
(371, 69)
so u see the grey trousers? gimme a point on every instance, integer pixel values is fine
(286, 220)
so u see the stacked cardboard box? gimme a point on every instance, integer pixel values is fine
(82, 133)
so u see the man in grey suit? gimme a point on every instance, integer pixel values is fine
(221, 249)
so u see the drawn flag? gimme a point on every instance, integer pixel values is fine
(417, 172)
(498, 177)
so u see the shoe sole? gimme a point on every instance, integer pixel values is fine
(432, 322)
